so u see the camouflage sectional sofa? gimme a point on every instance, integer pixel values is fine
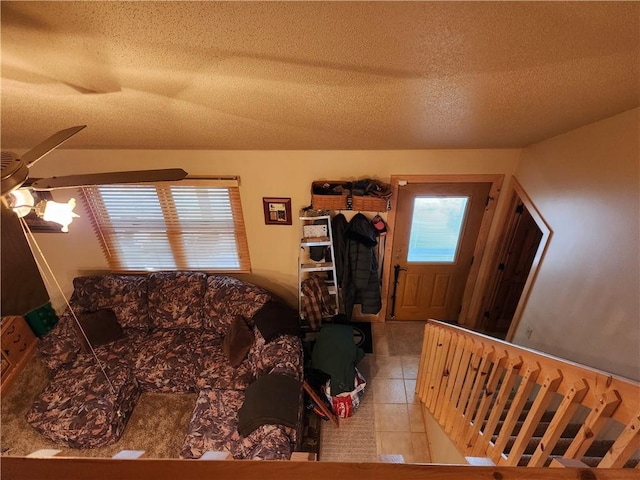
(174, 326)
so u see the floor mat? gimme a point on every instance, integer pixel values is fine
(362, 336)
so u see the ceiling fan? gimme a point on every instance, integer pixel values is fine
(15, 172)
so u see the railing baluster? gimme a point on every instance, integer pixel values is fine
(480, 381)
(560, 421)
(625, 446)
(462, 373)
(501, 398)
(438, 377)
(452, 369)
(489, 391)
(517, 405)
(436, 359)
(592, 426)
(445, 377)
(469, 382)
(547, 389)
(423, 368)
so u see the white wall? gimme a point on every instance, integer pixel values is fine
(585, 304)
(273, 249)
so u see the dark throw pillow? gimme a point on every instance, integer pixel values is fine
(276, 318)
(238, 341)
(100, 327)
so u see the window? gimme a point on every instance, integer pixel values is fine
(435, 229)
(194, 224)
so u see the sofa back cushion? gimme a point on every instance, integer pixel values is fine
(275, 318)
(227, 297)
(176, 299)
(126, 295)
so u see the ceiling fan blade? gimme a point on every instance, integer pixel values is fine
(112, 178)
(40, 150)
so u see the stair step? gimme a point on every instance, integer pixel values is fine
(597, 450)
(570, 432)
(589, 461)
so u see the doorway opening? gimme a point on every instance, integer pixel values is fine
(520, 249)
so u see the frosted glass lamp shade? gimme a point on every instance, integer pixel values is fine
(61, 213)
(21, 201)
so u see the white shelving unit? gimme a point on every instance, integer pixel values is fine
(317, 234)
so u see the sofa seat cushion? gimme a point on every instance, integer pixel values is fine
(214, 370)
(176, 299)
(166, 359)
(227, 297)
(123, 350)
(126, 295)
(78, 409)
(214, 424)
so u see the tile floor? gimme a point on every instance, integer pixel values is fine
(393, 369)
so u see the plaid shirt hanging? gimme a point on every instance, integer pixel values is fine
(316, 301)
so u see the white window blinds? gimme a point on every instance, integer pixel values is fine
(186, 225)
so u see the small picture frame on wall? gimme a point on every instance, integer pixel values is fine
(277, 211)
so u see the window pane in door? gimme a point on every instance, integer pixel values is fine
(436, 226)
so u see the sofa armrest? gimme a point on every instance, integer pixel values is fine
(268, 442)
(60, 345)
(281, 355)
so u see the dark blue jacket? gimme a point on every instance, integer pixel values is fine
(360, 283)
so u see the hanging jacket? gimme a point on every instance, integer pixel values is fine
(339, 226)
(360, 277)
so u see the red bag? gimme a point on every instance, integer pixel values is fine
(345, 404)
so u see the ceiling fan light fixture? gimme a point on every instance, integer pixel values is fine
(21, 201)
(61, 213)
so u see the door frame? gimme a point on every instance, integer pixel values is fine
(507, 226)
(470, 306)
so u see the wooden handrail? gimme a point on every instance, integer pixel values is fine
(19, 468)
(473, 383)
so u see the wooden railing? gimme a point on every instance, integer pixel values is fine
(513, 405)
(19, 468)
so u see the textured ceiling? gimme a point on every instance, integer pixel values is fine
(314, 75)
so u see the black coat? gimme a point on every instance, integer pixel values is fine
(360, 277)
(339, 226)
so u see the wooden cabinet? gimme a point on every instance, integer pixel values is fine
(17, 343)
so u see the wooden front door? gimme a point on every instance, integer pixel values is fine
(436, 229)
